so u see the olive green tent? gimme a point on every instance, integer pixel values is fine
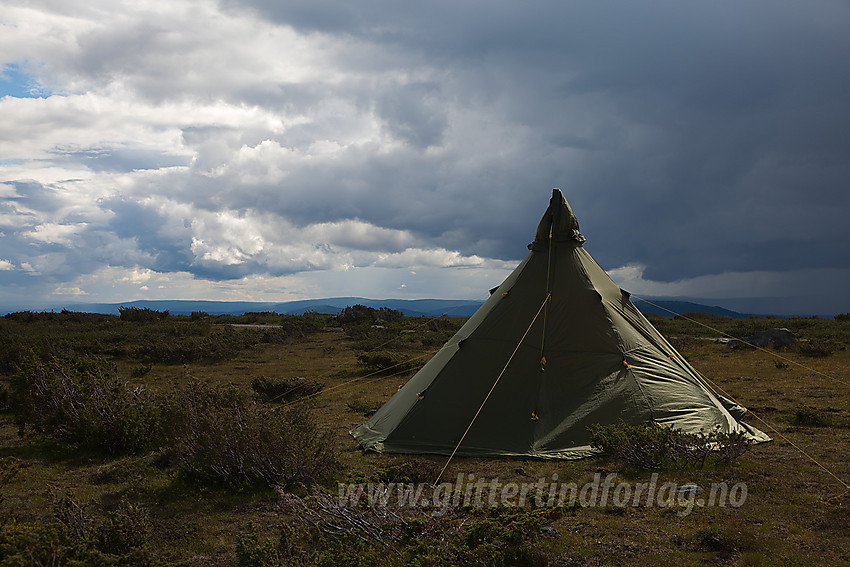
(557, 347)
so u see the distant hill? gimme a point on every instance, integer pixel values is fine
(410, 307)
(665, 306)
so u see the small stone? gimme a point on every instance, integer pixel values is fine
(690, 489)
(549, 531)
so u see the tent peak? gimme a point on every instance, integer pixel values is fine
(559, 222)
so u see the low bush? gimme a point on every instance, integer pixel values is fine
(11, 355)
(387, 362)
(253, 550)
(360, 406)
(809, 417)
(82, 401)
(362, 314)
(9, 469)
(175, 347)
(652, 446)
(284, 389)
(73, 537)
(141, 315)
(141, 370)
(222, 435)
(326, 532)
(819, 348)
(124, 529)
(412, 470)
(373, 338)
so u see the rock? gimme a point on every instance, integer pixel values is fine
(520, 471)
(549, 531)
(690, 489)
(772, 338)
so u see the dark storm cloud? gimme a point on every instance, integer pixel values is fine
(125, 159)
(694, 138)
(691, 138)
(412, 114)
(149, 230)
(31, 196)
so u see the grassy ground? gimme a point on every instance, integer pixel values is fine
(794, 512)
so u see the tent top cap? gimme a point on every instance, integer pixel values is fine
(559, 223)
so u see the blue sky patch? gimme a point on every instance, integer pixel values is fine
(16, 82)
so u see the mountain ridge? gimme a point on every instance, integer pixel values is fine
(410, 307)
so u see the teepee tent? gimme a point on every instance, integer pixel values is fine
(557, 347)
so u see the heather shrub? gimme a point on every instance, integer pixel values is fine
(362, 314)
(819, 348)
(4, 398)
(123, 529)
(73, 536)
(325, 532)
(221, 434)
(181, 344)
(809, 417)
(386, 362)
(284, 389)
(652, 446)
(364, 406)
(82, 401)
(141, 315)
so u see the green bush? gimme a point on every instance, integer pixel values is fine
(141, 315)
(652, 446)
(284, 390)
(386, 362)
(360, 406)
(9, 469)
(4, 399)
(73, 537)
(411, 470)
(818, 348)
(222, 435)
(809, 417)
(503, 536)
(362, 314)
(326, 533)
(141, 370)
(82, 401)
(253, 550)
(178, 344)
(123, 529)
(12, 354)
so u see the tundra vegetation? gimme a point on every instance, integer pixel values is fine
(151, 438)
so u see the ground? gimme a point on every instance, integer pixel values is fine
(796, 508)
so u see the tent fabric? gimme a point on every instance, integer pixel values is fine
(588, 357)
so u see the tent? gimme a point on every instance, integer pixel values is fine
(557, 347)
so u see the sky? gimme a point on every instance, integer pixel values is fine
(260, 150)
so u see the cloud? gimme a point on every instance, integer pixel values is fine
(65, 290)
(227, 141)
(755, 283)
(52, 233)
